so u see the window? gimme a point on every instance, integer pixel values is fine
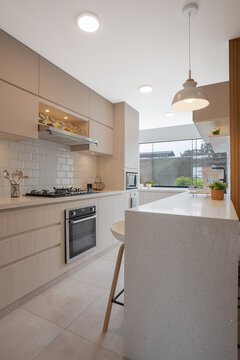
(178, 163)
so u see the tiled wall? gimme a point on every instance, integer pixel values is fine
(47, 164)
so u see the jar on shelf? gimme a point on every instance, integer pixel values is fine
(98, 185)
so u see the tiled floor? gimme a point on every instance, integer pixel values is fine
(65, 322)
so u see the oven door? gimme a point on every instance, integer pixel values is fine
(80, 236)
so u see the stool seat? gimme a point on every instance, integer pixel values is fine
(118, 230)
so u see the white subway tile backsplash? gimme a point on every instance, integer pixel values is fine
(47, 164)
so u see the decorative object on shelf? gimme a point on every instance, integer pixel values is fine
(98, 185)
(41, 118)
(217, 190)
(215, 131)
(191, 97)
(149, 184)
(17, 176)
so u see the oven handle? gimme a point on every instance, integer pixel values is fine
(73, 222)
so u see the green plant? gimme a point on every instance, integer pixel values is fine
(216, 131)
(218, 185)
(149, 182)
(188, 181)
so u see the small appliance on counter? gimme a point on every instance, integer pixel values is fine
(16, 178)
(131, 180)
(59, 192)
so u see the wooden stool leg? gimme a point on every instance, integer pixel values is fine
(113, 287)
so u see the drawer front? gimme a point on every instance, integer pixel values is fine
(18, 247)
(25, 276)
(61, 88)
(17, 221)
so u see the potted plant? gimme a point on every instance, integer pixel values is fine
(216, 131)
(217, 190)
(149, 184)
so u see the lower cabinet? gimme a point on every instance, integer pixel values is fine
(110, 210)
(32, 248)
(131, 199)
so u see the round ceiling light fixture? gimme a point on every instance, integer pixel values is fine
(145, 88)
(88, 21)
(191, 97)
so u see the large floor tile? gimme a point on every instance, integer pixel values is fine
(111, 254)
(69, 346)
(98, 273)
(89, 325)
(23, 335)
(64, 302)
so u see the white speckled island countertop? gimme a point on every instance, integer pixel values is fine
(181, 272)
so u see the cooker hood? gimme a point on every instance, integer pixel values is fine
(60, 136)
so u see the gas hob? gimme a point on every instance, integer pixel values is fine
(59, 192)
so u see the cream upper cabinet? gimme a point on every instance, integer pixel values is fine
(104, 135)
(18, 64)
(19, 113)
(61, 88)
(101, 109)
(131, 138)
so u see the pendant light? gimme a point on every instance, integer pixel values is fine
(191, 97)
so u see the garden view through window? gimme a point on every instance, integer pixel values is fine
(178, 163)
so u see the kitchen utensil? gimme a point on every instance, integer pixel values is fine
(20, 176)
(6, 174)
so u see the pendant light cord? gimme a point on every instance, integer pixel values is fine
(189, 45)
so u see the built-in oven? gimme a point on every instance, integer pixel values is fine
(131, 180)
(80, 231)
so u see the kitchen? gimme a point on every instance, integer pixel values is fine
(71, 168)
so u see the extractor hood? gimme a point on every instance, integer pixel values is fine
(60, 136)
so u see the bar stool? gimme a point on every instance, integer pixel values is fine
(118, 231)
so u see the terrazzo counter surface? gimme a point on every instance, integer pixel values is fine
(181, 272)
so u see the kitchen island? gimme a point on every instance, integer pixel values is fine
(181, 272)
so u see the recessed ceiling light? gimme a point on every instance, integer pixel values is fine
(47, 110)
(88, 21)
(93, 153)
(170, 114)
(145, 88)
(65, 117)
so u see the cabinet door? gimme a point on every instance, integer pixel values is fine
(104, 135)
(61, 88)
(18, 63)
(101, 109)
(131, 138)
(19, 113)
(105, 218)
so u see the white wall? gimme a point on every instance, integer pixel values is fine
(47, 164)
(183, 132)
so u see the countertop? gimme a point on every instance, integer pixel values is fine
(164, 189)
(7, 203)
(197, 205)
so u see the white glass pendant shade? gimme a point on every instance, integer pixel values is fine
(190, 98)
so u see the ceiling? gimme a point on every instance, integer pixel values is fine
(139, 42)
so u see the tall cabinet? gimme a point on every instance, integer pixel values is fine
(125, 148)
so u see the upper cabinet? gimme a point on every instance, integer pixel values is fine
(61, 88)
(19, 113)
(101, 109)
(131, 138)
(104, 135)
(18, 64)
(216, 115)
